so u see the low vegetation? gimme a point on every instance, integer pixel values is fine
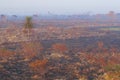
(53, 53)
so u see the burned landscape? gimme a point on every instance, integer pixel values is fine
(59, 49)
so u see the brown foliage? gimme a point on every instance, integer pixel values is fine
(59, 47)
(31, 49)
(39, 66)
(4, 53)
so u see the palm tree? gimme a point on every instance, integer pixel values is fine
(28, 25)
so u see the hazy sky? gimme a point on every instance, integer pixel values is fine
(58, 6)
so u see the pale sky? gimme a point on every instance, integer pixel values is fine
(58, 6)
